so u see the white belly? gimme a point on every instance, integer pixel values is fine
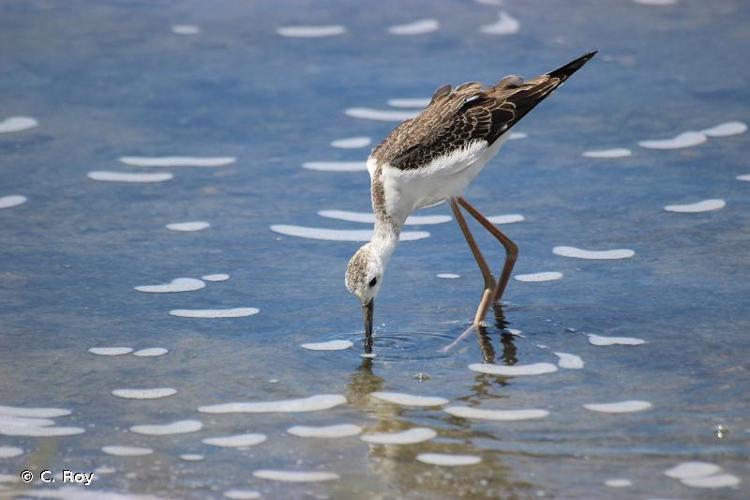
(409, 190)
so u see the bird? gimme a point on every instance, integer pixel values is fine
(432, 158)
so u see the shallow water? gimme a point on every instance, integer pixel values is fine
(270, 85)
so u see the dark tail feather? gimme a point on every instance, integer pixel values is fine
(573, 66)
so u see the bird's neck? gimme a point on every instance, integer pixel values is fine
(387, 228)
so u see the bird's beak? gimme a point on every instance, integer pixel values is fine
(367, 312)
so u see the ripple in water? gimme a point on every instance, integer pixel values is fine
(405, 346)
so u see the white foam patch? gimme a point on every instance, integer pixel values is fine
(174, 286)
(514, 370)
(127, 451)
(745, 177)
(237, 312)
(599, 340)
(13, 429)
(335, 166)
(12, 200)
(110, 351)
(726, 129)
(691, 470)
(83, 493)
(418, 27)
(569, 361)
(188, 226)
(514, 136)
(500, 415)
(215, 277)
(178, 161)
(331, 345)
(325, 432)
(192, 457)
(683, 140)
(10, 451)
(157, 393)
(17, 124)
(537, 277)
(9, 478)
(447, 460)
(296, 476)
(313, 403)
(414, 102)
(311, 31)
(657, 3)
(18, 411)
(608, 153)
(151, 352)
(369, 218)
(107, 176)
(382, 115)
(618, 483)
(506, 219)
(403, 399)
(236, 441)
(719, 481)
(630, 406)
(448, 276)
(351, 142)
(579, 253)
(241, 494)
(185, 29)
(105, 470)
(178, 427)
(317, 233)
(505, 25)
(697, 207)
(411, 436)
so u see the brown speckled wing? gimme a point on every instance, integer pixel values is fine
(471, 112)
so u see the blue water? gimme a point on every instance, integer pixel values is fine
(107, 79)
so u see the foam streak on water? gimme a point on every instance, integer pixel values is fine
(500, 415)
(369, 218)
(110, 351)
(313, 403)
(215, 277)
(17, 411)
(311, 31)
(569, 361)
(127, 451)
(241, 494)
(150, 352)
(608, 153)
(158, 393)
(620, 406)
(448, 460)
(10, 451)
(185, 29)
(178, 427)
(380, 114)
(17, 124)
(599, 340)
(506, 219)
(331, 345)
(325, 432)
(403, 399)
(726, 129)
(238, 312)
(411, 436)
(351, 142)
(415, 28)
(296, 476)
(178, 161)
(505, 25)
(107, 176)
(336, 166)
(174, 286)
(415, 102)
(539, 277)
(12, 200)
(236, 441)
(579, 253)
(188, 226)
(697, 207)
(317, 233)
(683, 140)
(513, 370)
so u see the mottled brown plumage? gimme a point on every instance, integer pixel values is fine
(471, 112)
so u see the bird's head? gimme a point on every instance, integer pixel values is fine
(364, 275)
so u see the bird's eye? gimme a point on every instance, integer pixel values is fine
(373, 282)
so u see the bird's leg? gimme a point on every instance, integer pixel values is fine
(489, 281)
(511, 249)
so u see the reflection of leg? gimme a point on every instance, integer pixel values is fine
(509, 349)
(511, 249)
(489, 280)
(485, 345)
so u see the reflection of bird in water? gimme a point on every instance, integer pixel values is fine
(395, 471)
(432, 158)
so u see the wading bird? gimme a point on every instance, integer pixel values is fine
(432, 158)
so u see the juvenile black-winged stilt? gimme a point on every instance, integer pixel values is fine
(432, 158)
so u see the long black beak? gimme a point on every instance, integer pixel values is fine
(367, 312)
